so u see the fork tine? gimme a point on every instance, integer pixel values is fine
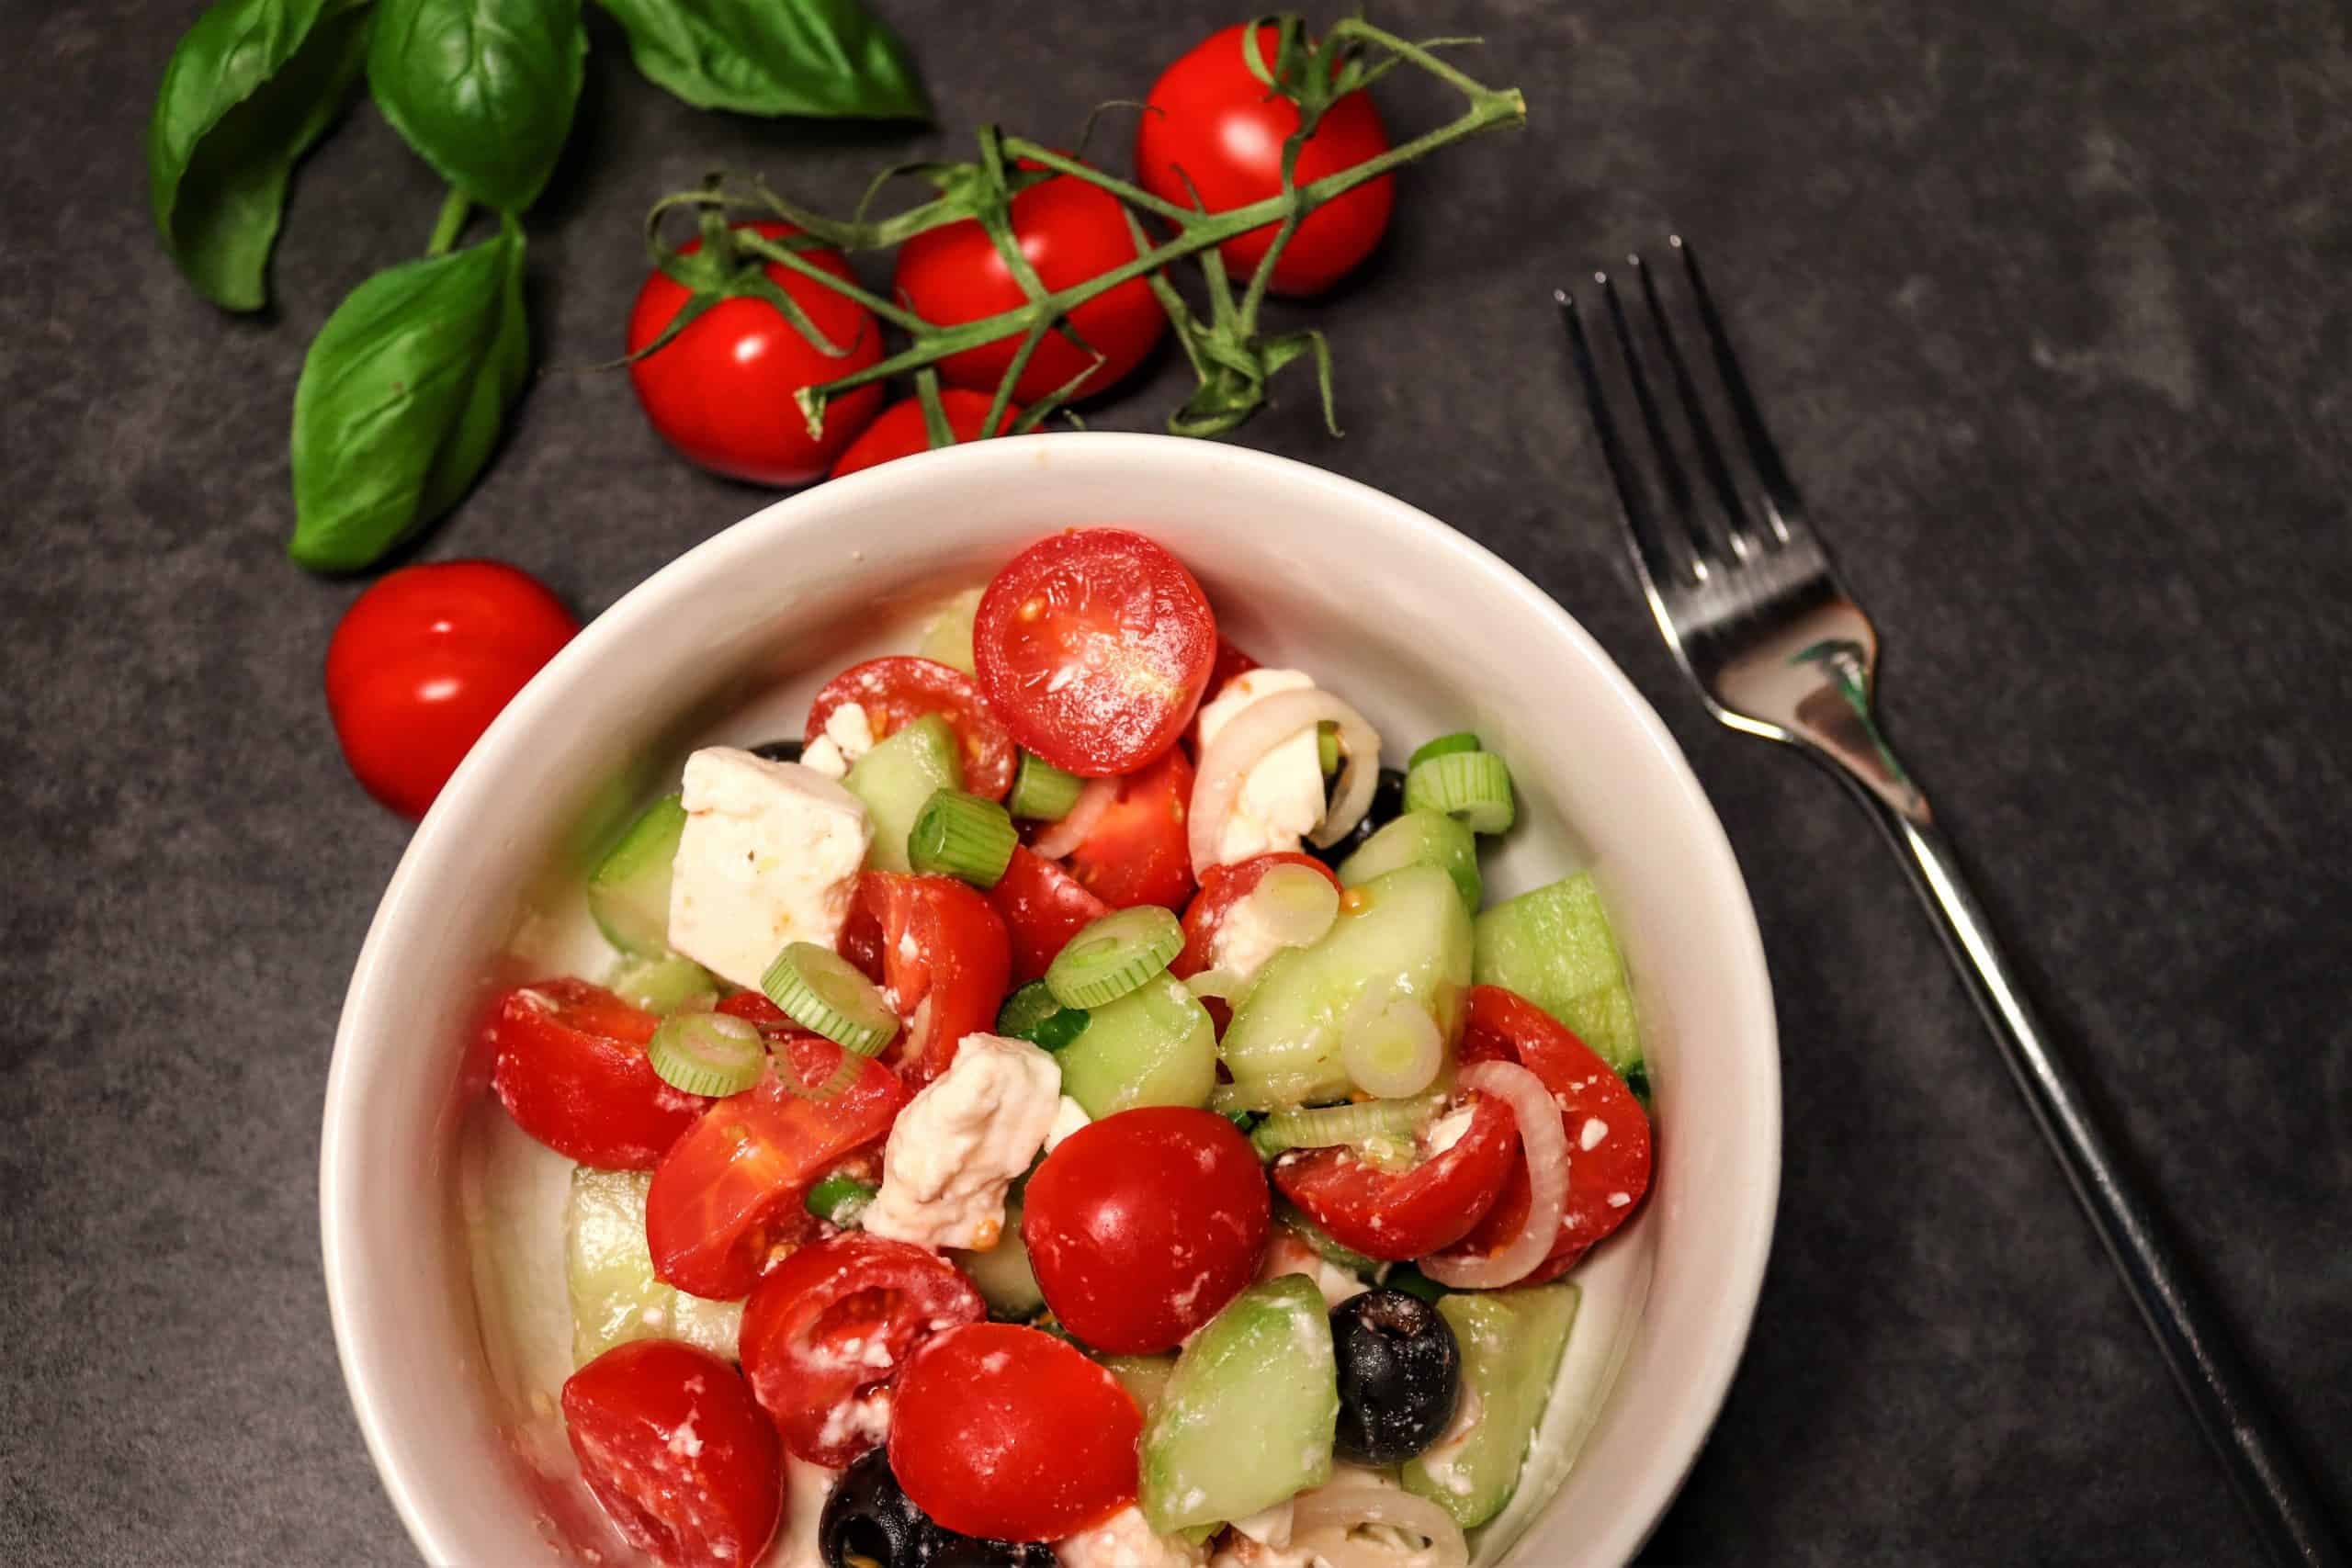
(1641, 527)
(1702, 431)
(1669, 465)
(1783, 508)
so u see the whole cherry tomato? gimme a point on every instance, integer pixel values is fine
(1408, 1214)
(671, 1444)
(900, 431)
(571, 1070)
(1213, 122)
(423, 661)
(898, 690)
(721, 391)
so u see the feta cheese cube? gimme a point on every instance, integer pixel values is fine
(1068, 1118)
(848, 736)
(1280, 799)
(770, 855)
(959, 1143)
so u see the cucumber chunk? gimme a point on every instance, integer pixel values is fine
(1002, 1273)
(1407, 936)
(1156, 1046)
(614, 1297)
(668, 984)
(1511, 1342)
(629, 893)
(948, 639)
(1144, 1377)
(896, 777)
(1554, 947)
(1421, 838)
(1248, 1416)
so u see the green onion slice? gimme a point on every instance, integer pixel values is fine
(707, 1053)
(665, 985)
(962, 836)
(1472, 786)
(1115, 955)
(1327, 746)
(1443, 746)
(1042, 792)
(818, 989)
(1031, 1013)
(839, 1199)
(1373, 1119)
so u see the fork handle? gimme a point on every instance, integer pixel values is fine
(2270, 1480)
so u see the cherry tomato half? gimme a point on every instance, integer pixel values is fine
(900, 431)
(897, 691)
(1093, 646)
(1136, 851)
(1141, 1226)
(1009, 1432)
(423, 661)
(1213, 122)
(571, 1070)
(945, 958)
(721, 391)
(827, 1329)
(1042, 906)
(1222, 886)
(1413, 1212)
(670, 1441)
(1230, 661)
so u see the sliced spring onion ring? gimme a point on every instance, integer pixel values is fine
(1257, 729)
(819, 989)
(1443, 746)
(1042, 792)
(1327, 746)
(1329, 1124)
(1071, 830)
(839, 1199)
(1544, 1141)
(1031, 1014)
(1115, 955)
(707, 1053)
(1472, 786)
(1324, 1521)
(1396, 1052)
(962, 836)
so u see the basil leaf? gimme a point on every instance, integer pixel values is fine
(401, 398)
(252, 85)
(827, 58)
(482, 89)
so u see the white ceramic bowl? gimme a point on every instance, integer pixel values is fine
(453, 1346)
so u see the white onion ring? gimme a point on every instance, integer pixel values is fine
(1257, 729)
(1222, 984)
(1060, 838)
(1545, 1144)
(1321, 1521)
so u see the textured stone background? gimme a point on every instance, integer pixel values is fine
(2046, 302)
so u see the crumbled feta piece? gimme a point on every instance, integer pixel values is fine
(848, 735)
(1069, 1117)
(1280, 799)
(958, 1144)
(806, 1487)
(770, 855)
(1126, 1540)
(1286, 1254)
(1447, 1130)
(1588, 1136)
(1251, 932)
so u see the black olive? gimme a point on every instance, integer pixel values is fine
(1388, 804)
(1400, 1376)
(778, 750)
(868, 1518)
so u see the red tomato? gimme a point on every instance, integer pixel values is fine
(826, 1330)
(1412, 1213)
(1141, 1226)
(1069, 232)
(423, 661)
(1006, 1432)
(1094, 645)
(720, 392)
(1138, 853)
(1504, 1026)
(897, 691)
(1042, 906)
(670, 1441)
(1212, 122)
(945, 959)
(1222, 886)
(571, 1070)
(900, 431)
(728, 1193)
(1230, 661)
(753, 1008)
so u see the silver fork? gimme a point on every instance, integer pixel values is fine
(1758, 619)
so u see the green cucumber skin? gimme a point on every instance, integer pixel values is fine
(1156, 1046)
(1248, 1416)
(1144, 1377)
(1421, 838)
(896, 778)
(608, 1273)
(663, 985)
(1511, 1343)
(629, 893)
(1554, 947)
(1002, 1273)
(1409, 937)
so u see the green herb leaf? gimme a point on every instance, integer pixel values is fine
(401, 399)
(252, 85)
(482, 89)
(827, 58)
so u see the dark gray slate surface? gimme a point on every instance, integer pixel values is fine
(2047, 303)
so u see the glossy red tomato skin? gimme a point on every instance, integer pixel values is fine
(1138, 852)
(1230, 661)
(570, 1068)
(712, 1499)
(1141, 1226)
(423, 661)
(899, 690)
(947, 960)
(1414, 1213)
(726, 1196)
(1501, 1025)
(1123, 626)
(898, 431)
(1042, 906)
(1006, 1432)
(721, 391)
(1211, 120)
(1222, 886)
(884, 1295)
(1069, 232)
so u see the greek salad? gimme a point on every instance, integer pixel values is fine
(1073, 1105)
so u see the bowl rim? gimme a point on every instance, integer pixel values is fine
(1699, 1393)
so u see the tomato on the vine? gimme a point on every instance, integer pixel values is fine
(571, 1070)
(423, 661)
(721, 391)
(671, 1444)
(1213, 123)
(900, 431)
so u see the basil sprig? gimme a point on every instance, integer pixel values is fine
(251, 86)
(774, 57)
(482, 89)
